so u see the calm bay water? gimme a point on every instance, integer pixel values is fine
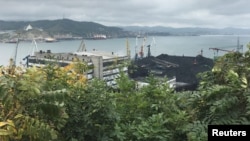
(172, 45)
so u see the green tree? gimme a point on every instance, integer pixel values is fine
(222, 98)
(91, 114)
(21, 100)
(150, 113)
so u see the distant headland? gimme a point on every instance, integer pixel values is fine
(66, 29)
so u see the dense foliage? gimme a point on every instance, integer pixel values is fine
(54, 103)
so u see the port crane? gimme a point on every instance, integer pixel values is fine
(150, 45)
(217, 49)
(15, 56)
(128, 48)
(141, 53)
(32, 53)
(82, 47)
(239, 48)
(220, 49)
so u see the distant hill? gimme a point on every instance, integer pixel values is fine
(64, 26)
(88, 29)
(185, 31)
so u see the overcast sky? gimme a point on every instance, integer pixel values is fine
(173, 13)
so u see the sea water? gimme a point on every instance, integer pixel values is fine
(171, 45)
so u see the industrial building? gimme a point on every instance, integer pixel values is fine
(101, 65)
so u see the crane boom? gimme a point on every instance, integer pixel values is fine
(219, 49)
(82, 47)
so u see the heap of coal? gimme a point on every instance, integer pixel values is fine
(183, 68)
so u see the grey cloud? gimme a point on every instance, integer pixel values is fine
(202, 13)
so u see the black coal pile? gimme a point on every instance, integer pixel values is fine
(183, 68)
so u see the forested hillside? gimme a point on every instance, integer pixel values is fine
(64, 26)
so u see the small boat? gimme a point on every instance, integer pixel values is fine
(99, 37)
(50, 40)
